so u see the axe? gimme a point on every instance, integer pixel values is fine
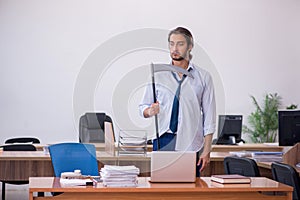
(159, 68)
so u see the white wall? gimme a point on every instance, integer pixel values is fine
(253, 46)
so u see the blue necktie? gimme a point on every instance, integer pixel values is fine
(175, 108)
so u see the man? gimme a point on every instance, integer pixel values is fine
(194, 127)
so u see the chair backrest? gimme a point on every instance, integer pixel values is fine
(23, 140)
(19, 147)
(91, 127)
(286, 174)
(242, 166)
(67, 157)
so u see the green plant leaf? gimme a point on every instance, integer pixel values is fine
(264, 120)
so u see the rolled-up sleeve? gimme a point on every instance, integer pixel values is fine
(209, 106)
(147, 99)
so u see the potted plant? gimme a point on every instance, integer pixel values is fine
(263, 122)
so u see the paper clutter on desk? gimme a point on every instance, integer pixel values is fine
(267, 156)
(240, 153)
(119, 176)
(75, 182)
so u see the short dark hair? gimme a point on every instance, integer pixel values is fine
(183, 31)
(187, 35)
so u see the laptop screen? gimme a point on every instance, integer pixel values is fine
(173, 166)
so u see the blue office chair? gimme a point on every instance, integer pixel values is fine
(286, 174)
(67, 157)
(241, 166)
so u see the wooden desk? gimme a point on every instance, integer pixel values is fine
(17, 165)
(248, 147)
(98, 146)
(267, 166)
(219, 148)
(20, 165)
(215, 148)
(216, 165)
(219, 152)
(202, 189)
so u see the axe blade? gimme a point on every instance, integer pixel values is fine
(169, 67)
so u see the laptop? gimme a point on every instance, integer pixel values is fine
(173, 166)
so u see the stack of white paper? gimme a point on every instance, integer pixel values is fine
(267, 156)
(119, 176)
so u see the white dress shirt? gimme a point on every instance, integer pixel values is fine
(197, 107)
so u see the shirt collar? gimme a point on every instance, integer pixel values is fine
(190, 67)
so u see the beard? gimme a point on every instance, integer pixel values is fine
(177, 56)
(180, 58)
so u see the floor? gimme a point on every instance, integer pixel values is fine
(16, 192)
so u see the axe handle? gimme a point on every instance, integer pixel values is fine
(155, 100)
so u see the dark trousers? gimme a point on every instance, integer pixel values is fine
(198, 167)
(167, 142)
